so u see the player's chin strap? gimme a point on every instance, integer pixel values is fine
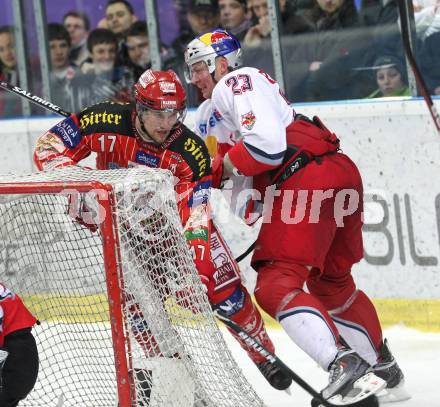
(141, 123)
(370, 401)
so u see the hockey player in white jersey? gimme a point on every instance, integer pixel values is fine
(260, 137)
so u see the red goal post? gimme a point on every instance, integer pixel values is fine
(124, 317)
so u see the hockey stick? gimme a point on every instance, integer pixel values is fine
(405, 34)
(370, 401)
(34, 99)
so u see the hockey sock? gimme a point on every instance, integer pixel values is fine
(303, 317)
(359, 325)
(308, 324)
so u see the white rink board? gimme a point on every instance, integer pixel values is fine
(397, 150)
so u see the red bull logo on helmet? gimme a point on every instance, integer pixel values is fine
(214, 37)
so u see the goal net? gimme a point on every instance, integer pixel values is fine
(124, 319)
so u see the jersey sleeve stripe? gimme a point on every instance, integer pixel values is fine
(264, 157)
(248, 165)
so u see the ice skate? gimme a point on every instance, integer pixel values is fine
(352, 381)
(388, 370)
(274, 375)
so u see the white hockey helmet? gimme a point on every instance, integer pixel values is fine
(207, 47)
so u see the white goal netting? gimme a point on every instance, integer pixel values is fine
(163, 330)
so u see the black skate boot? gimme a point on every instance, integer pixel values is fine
(388, 370)
(351, 381)
(274, 375)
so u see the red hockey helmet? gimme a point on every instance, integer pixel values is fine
(161, 91)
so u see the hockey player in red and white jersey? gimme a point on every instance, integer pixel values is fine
(305, 238)
(152, 133)
(18, 350)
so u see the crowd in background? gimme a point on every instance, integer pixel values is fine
(332, 49)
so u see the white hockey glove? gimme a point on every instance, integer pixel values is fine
(84, 208)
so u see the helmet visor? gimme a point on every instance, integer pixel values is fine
(167, 116)
(197, 69)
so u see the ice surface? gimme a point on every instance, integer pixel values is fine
(418, 355)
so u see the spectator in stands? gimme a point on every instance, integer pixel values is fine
(430, 62)
(78, 26)
(234, 17)
(136, 50)
(323, 64)
(119, 16)
(101, 78)
(62, 71)
(427, 17)
(390, 77)
(386, 33)
(9, 105)
(261, 29)
(202, 16)
(291, 23)
(8, 59)
(102, 46)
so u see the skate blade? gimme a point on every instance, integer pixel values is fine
(394, 394)
(367, 385)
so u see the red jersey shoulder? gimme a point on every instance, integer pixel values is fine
(13, 313)
(194, 151)
(107, 117)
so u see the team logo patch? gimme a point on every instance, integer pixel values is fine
(248, 120)
(196, 150)
(200, 195)
(167, 87)
(196, 234)
(168, 104)
(68, 131)
(216, 116)
(146, 78)
(147, 159)
(91, 118)
(214, 37)
(233, 303)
